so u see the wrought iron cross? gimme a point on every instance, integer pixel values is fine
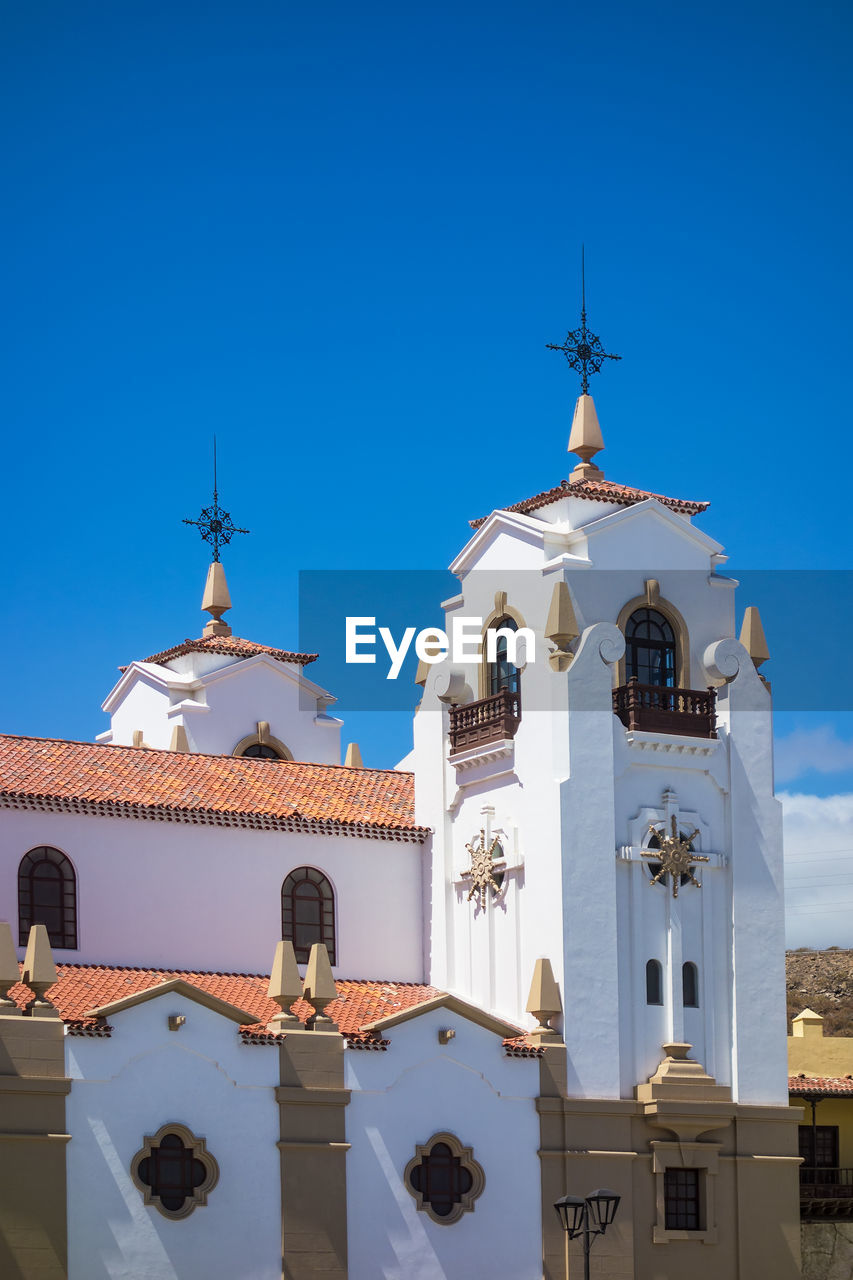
(582, 348)
(215, 524)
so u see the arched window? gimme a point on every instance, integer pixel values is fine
(654, 982)
(261, 745)
(502, 673)
(261, 751)
(308, 912)
(47, 894)
(650, 648)
(690, 985)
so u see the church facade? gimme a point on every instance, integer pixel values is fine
(269, 1015)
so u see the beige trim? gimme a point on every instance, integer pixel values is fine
(313, 1146)
(312, 1149)
(466, 1156)
(703, 1156)
(751, 1185)
(216, 600)
(178, 987)
(544, 999)
(263, 738)
(452, 1004)
(652, 600)
(501, 610)
(33, 1139)
(200, 1193)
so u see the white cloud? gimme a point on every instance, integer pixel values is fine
(818, 869)
(819, 749)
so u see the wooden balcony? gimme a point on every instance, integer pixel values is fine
(488, 720)
(688, 712)
(826, 1193)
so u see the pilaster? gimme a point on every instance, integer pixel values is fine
(33, 1088)
(313, 1147)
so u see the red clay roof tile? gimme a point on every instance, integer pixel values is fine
(232, 646)
(803, 1085)
(600, 491)
(136, 782)
(81, 987)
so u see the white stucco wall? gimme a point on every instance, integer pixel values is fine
(401, 1098)
(197, 897)
(569, 788)
(131, 1084)
(219, 704)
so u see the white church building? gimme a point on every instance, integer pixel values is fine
(266, 1014)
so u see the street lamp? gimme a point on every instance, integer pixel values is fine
(590, 1217)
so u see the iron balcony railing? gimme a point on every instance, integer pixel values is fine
(689, 712)
(487, 720)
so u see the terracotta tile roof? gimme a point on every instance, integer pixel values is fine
(803, 1085)
(235, 791)
(82, 987)
(523, 1047)
(233, 647)
(600, 491)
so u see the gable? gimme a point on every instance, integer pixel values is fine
(648, 536)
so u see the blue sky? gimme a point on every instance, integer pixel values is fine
(340, 238)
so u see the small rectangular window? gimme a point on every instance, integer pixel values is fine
(681, 1198)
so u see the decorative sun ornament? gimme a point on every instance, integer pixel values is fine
(674, 854)
(484, 865)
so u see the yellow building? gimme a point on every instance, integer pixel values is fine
(821, 1083)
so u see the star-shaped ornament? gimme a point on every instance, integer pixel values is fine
(485, 868)
(675, 854)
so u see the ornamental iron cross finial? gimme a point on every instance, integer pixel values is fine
(582, 348)
(674, 853)
(215, 524)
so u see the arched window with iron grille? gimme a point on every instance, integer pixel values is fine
(308, 912)
(650, 648)
(47, 894)
(261, 751)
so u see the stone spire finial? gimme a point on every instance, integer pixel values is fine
(752, 636)
(9, 972)
(353, 756)
(320, 989)
(285, 986)
(544, 1000)
(561, 627)
(216, 600)
(39, 970)
(586, 439)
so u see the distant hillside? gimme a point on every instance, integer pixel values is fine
(823, 981)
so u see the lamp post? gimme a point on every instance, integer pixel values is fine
(589, 1217)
